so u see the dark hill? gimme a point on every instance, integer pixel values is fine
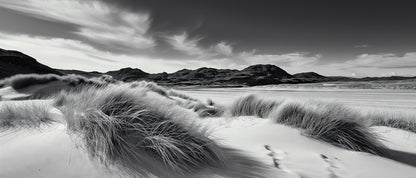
(128, 74)
(252, 75)
(14, 62)
(266, 70)
(309, 75)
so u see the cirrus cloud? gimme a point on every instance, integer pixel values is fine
(100, 24)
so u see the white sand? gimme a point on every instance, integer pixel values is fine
(301, 156)
(48, 151)
(51, 152)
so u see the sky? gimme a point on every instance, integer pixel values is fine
(339, 38)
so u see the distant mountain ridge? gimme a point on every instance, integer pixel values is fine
(14, 62)
(252, 75)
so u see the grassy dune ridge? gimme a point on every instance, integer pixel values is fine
(128, 127)
(147, 130)
(329, 122)
(393, 119)
(21, 81)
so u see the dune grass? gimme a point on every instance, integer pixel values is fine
(328, 122)
(206, 110)
(253, 106)
(143, 133)
(27, 115)
(151, 86)
(21, 81)
(141, 129)
(24, 80)
(181, 95)
(393, 119)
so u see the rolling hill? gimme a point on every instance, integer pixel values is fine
(15, 62)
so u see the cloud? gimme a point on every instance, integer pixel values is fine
(223, 48)
(387, 61)
(189, 46)
(222, 55)
(72, 54)
(97, 23)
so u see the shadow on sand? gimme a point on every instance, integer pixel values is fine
(401, 156)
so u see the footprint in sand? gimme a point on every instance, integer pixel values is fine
(277, 156)
(335, 167)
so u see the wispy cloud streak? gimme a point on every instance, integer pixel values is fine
(100, 23)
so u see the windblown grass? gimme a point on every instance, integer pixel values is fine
(24, 80)
(151, 86)
(181, 95)
(392, 119)
(328, 122)
(23, 115)
(253, 106)
(144, 134)
(205, 110)
(21, 81)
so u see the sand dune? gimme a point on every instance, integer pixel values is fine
(51, 137)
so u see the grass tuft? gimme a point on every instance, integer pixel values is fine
(23, 115)
(401, 121)
(204, 110)
(329, 122)
(253, 106)
(21, 81)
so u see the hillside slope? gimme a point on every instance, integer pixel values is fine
(14, 62)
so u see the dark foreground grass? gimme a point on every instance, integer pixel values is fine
(143, 134)
(329, 122)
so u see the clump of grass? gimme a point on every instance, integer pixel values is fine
(24, 80)
(204, 110)
(395, 120)
(329, 122)
(147, 134)
(151, 86)
(156, 88)
(253, 106)
(180, 95)
(21, 81)
(23, 115)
